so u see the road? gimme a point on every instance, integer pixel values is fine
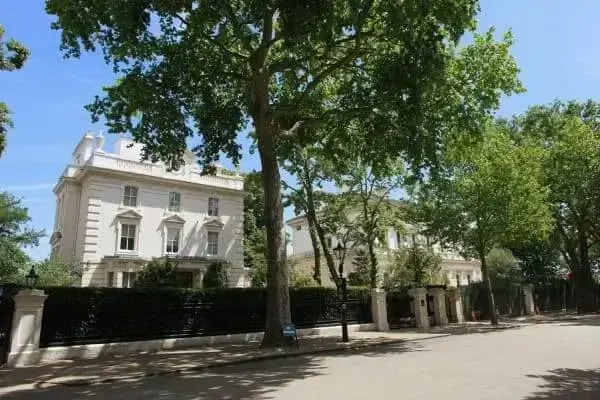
(545, 361)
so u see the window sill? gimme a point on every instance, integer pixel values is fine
(126, 253)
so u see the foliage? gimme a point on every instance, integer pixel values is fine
(208, 67)
(540, 260)
(300, 278)
(215, 276)
(158, 273)
(52, 272)
(12, 57)
(14, 235)
(255, 238)
(569, 134)
(361, 274)
(414, 266)
(490, 193)
(503, 267)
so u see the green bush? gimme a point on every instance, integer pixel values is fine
(158, 273)
(215, 276)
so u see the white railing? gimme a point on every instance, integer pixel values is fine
(223, 179)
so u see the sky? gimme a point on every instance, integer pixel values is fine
(554, 49)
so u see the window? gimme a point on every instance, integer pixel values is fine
(329, 243)
(212, 248)
(127, 242)
(174, 201)
(110, 279)
(130, 195)
(299, 228)
(128, 279)
(398, 239)
(173, 240)
(213, 206)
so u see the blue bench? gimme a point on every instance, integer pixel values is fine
(289, 331)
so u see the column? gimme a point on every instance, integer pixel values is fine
(528, 299)
(26, 328)
(379, 310)
(456, 308)
(439, 305)
(419, 296)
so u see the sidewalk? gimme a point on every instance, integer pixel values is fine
(137, 366)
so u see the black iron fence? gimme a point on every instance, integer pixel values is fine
(6, 315)
(399, 309)
(101, 315)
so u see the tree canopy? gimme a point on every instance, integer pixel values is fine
(12, 57)
(207, 68)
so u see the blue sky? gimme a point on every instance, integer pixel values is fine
(554, 49)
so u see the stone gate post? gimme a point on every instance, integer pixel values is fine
(456, 308)
(419, 296)
(439, 305)
(26, 328)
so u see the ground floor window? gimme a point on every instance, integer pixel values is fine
(128, 279)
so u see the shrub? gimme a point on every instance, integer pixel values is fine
(158, 273)
(413, 266)
(215, 276)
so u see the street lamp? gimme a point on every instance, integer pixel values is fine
(31, 278)
(339, 253)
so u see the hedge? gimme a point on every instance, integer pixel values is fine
(101, 315)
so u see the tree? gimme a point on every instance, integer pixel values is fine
(158, 273)
(361, 276)
(489, 193)
(503, 267)
(14, 235)
(413, 266)
(215, 276)
(255, 238)
(367, 188)
(51, 272)
(540, 260)
(12, 57)
(210, 67)
(570, 134)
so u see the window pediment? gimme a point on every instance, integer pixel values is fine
(129, 214)
(214, 223)
(174, 219)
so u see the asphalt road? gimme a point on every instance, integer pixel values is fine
(546, 361)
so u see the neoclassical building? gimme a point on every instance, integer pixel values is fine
(114, 213)
(457, 269)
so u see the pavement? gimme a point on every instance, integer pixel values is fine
(140, 365)
(533, 360)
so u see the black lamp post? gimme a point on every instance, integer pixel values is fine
(31, 278)
(339, 252)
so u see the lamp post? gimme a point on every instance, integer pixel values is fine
(339, 252)
(31, 278)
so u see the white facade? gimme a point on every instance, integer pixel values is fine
(114, 213)
(457, 269)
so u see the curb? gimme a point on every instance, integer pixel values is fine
(274, 356)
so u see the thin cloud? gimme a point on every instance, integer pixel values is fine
(30, 188)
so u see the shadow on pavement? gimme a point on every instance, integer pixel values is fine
(251, 380)
(568, 383)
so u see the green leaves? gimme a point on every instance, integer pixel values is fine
(12, 56)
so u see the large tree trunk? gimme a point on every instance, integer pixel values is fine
(311, 217)
(373, 266)
(584, 281)
(487, 284)
(278, 295)
(312, 231)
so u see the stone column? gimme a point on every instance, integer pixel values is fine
(456, 309)
(439, 306)
(26, 328)
(528, 299)
(419, 296)
(379, 310)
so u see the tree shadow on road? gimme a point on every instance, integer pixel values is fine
(568, 383)
(250, 380)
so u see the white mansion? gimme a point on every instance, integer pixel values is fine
(457, 269)
(114, 213)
